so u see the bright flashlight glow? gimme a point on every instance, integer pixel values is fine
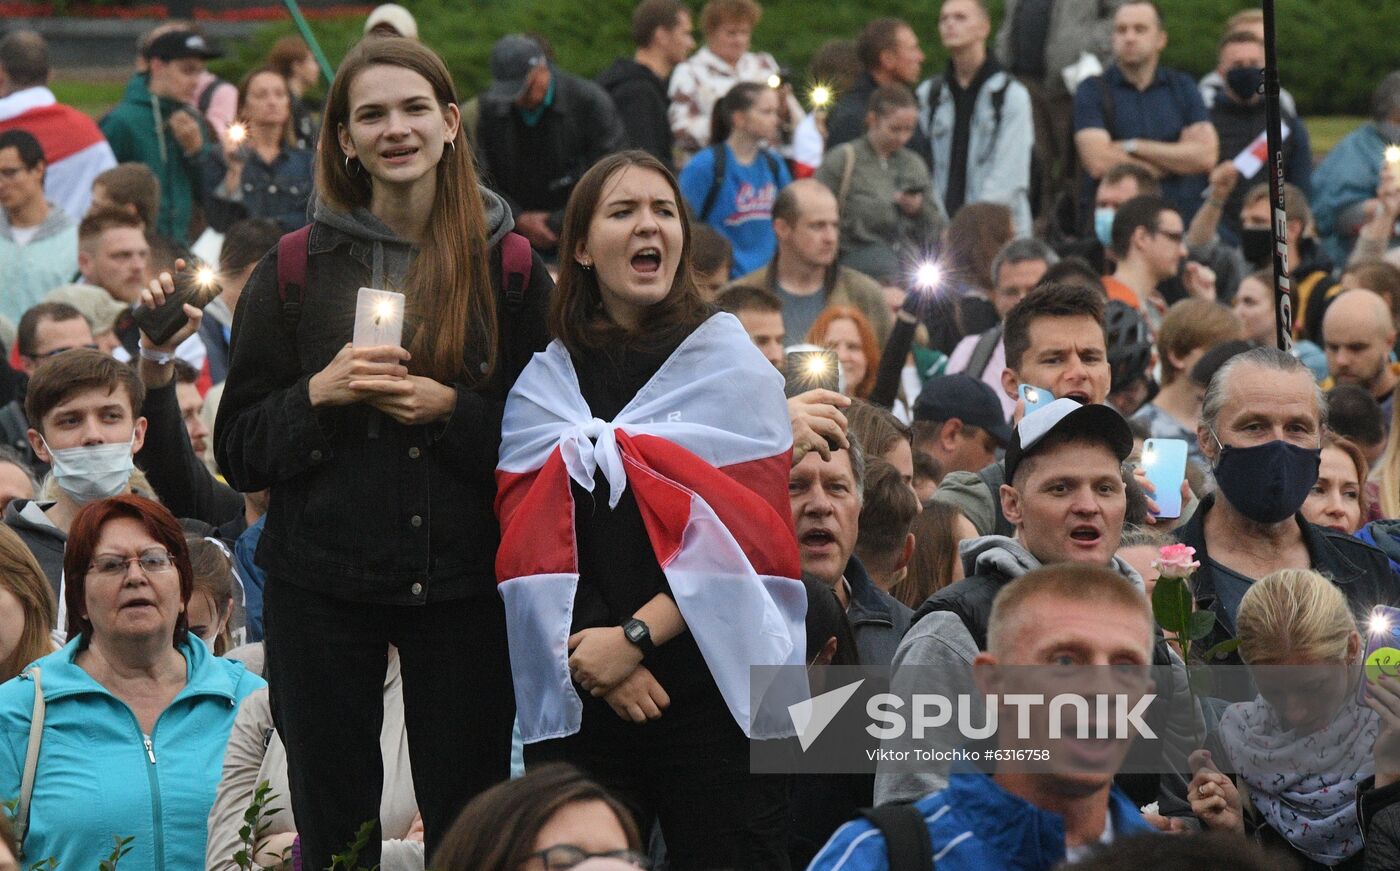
(205, 276)
(775, 81)
(1149, 456)
(1379, 624)
(816, 365)
(237, 133)
(1392, 154)
(820, 96)
(1032, 395)
(383, 309)
(928, 275)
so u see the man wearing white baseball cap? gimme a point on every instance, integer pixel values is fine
(391, 19)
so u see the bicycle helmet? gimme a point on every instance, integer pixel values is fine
(1129, 345)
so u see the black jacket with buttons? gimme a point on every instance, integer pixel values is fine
(362, 510)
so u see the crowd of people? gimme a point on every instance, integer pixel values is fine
(485, 595)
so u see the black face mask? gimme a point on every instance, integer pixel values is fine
(1256, 244)
(1244, 82)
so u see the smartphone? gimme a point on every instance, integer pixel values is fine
(196, 285)
(1164, 461)
(810, 367)
(378, 318)
(1382, 654)
(1035, 398)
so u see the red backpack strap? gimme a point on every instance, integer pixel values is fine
(517, 259)
(292, 253)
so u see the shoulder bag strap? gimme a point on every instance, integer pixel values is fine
(31, 760)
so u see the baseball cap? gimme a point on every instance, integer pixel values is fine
(95, 304)
(396, 17)
(966, 398)
(512, 59)
(1068, 417)
(179, 44)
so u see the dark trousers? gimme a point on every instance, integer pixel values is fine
(326, 661)
(691, 775)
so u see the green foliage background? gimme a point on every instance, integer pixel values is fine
(1333, 52)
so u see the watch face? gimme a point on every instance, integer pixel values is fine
(634, 632)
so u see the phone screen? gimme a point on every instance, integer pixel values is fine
(811, 368)
(1382, 654)
(1164, 461)
(378, 318)
(1035, 398)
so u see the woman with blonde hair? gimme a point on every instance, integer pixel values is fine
(1303, 750)
(27, 607)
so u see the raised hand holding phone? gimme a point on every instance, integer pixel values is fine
(1035, 398)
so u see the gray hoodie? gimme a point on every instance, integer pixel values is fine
(936, 655)
(391, 255)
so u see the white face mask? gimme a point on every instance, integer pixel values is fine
(93, 472)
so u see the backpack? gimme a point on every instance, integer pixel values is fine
(293, 250)
(908, 846)
(935, 96)
(721, 155)
(206, 96)
(982, 352)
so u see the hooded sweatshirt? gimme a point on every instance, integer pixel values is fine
(46, 541)
(29, 271)
(138, 130)
(936, 655)
(640, 97)
(405, 546)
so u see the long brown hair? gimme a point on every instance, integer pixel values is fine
(576, 316)
(288, 136)
(213, 577)
(496, 831)
(448, 287)
(21, 575)
(931, 568)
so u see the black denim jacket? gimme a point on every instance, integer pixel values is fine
(372, 512)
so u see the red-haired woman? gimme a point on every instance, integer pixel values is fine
(136, 713)
(380, 459)
(845, 330)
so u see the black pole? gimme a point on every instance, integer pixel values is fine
(1273, 126)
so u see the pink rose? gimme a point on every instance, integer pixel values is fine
(1175, 561)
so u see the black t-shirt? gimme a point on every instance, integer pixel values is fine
(964, 102)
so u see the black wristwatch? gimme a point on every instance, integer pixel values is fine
(639, 634)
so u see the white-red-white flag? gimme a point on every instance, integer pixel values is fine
(705, 446)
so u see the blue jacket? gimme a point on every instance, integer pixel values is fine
(975, 825)
(1346, 179)
(99, 777)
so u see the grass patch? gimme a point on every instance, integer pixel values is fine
(1328, 130)
(94, 98)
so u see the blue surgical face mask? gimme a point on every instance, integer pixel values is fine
(1267, 483)
(93, 472)
(1103, 225)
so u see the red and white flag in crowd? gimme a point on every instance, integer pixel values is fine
(705, 447)
(1251, 159)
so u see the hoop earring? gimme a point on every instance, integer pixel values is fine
(452, 145)
(359, 167)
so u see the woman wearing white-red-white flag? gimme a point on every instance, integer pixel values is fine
(647, 557)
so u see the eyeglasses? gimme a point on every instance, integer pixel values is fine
(152, 562)
(92, 346)
(1178, 238)
(563, 857)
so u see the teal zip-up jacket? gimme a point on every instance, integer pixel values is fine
(98, 776)
(138, 130)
